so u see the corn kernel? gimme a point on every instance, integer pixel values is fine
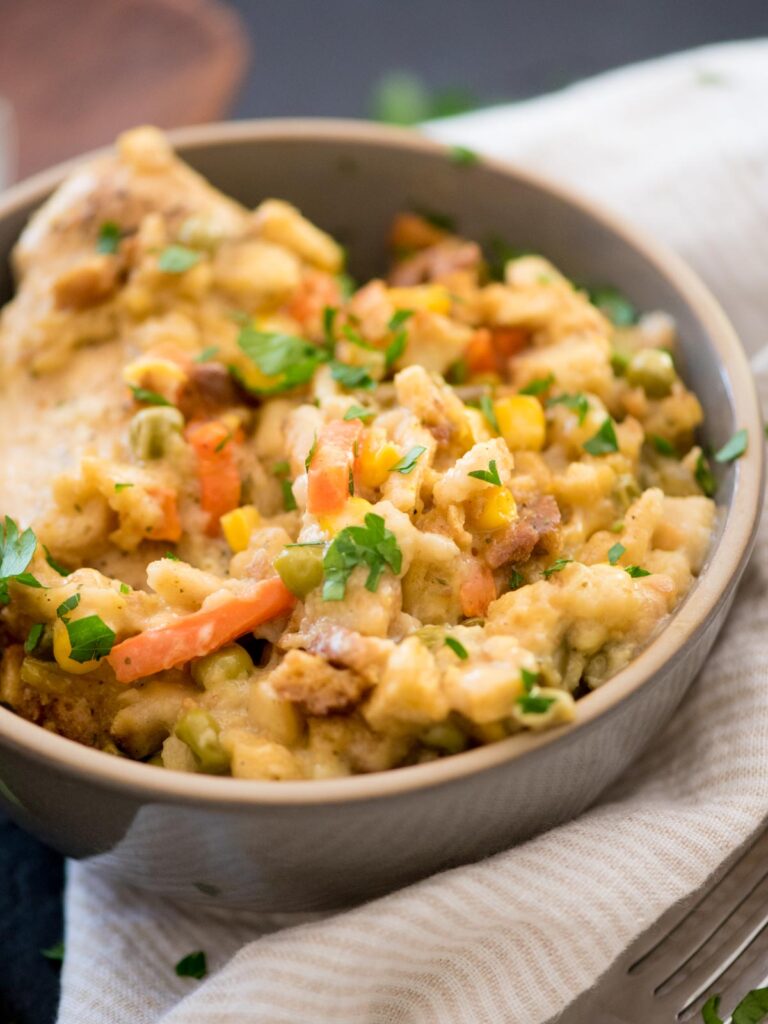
(499, 509)
(156, 374)
(353, 514)
(62, 650)
(521, 422)
(375, 464)
(238, 525)
(434, 297)
(478, 426)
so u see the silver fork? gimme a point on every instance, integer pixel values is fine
(715, 942)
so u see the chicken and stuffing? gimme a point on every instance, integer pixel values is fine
(261, 521)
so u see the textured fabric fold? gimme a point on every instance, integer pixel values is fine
(672, 145)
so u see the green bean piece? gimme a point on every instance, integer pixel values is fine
(653, 371)
(228, 663)
(200, 731)
(301, 568)
(152, 430)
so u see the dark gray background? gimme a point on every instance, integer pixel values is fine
(325, 57)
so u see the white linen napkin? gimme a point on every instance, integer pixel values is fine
(679, 145)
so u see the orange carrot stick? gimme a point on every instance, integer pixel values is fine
(196, 635)
(217, 472)
(334, 458)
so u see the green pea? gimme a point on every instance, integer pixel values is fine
(200, 731)
(301, 568)
(152, 431)
(653, 370)
(228, 663)
(446, 737)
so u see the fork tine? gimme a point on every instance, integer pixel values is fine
(694, 927)
(749, 970)
(721, 949)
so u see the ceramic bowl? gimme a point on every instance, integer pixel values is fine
(310, 845)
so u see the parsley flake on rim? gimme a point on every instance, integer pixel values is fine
(147, 397)
(54, 952)
(372, 545)
(488, 476)
(576, 402)
(90, 638)
(705, 478)
(109, 237)
(193, 965)
(462, 156)
(176, 259)
(458, 648)
(538, 386)
(409, 460)
(357, 412)
(604, 441)
(616, 552)
(734, 448)
(557, 566)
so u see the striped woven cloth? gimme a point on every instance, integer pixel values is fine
(679, 146)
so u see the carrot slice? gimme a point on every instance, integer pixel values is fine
(217, 472)
(508, 341)
(477, 588)
(480, 353)
(170, 525)
(334, 458)
(196, 635)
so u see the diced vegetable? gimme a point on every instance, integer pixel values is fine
(521, 422)
(169, 527)
(218, 476)
(200, 731)
(230, 662)
(238, 525)
(480, 355)
(332, 463)
(152, 430)
(499, 509)
(301, 567)
(196, 635)
(433, 297)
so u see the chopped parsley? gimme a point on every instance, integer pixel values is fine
(616, 552)
(311, 453)
(534, 704)
(705, 478)
(577, 403)
(281, 468)
(147, 397)
(289, 501)
(329, 322)
(409, 460)
(33, 637)
(539, 385)
(635, 571)
(372, 545)
(530, 679)
(357, 412)
(122, 487)
(109, 237)
(176, 259)
(396, 347)
(463, 156)
(663, 446)
(734, 448)
(458, 649)
(68, 606)
(356, 338)
(614, 305)
(124, 588)
(290, 359)
(398, 318)
(752, 1009)
(16, 551)
(351, 377)
(90, 638)
(193, 965)
(557, 566)
(54, 952)
(173, 557)
(486, 407)
(516, 580)
(56, 566)
(457, 372)
(207, 354)
(488, 476)
(604, 441)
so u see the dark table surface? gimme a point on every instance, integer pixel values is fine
(326, 59)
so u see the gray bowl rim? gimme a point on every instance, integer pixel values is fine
(726, 563)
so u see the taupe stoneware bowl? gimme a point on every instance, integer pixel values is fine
(304, 845)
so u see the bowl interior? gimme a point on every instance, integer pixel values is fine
(352, 178)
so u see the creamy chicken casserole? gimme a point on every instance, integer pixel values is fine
(265, 522)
